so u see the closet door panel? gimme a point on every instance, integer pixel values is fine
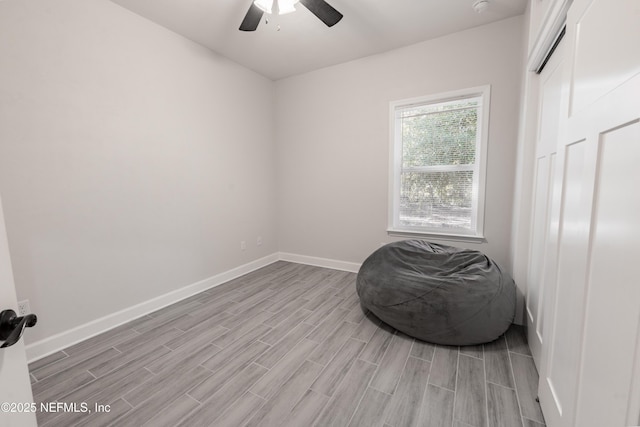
(613, 288)
(546, 144)
(565, 343)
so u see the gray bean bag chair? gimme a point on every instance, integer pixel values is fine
(438, 293)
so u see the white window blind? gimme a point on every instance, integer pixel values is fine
(438, 150)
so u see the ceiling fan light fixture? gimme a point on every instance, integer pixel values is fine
(286, 6)
(264, 5)
(320, 8)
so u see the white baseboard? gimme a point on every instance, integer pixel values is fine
(320, 262)
(47, 346)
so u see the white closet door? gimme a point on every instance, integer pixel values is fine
(590, 370)
(546, 145)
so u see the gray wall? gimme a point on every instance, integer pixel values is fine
(333, 139)
(132, 161)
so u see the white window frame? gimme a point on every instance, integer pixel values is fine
(479, 183)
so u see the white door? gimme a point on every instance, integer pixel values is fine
(590, 370)
(15, 386)
(550, 94)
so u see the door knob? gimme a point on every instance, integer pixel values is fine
(12, 326)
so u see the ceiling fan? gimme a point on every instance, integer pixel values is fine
(320, 8)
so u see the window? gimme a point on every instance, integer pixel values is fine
(438, 154)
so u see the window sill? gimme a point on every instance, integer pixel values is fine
(436, 236)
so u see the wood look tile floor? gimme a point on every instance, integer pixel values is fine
(286, 345)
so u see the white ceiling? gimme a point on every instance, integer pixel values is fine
(303, 42)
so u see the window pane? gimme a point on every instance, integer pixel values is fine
(439, 138)
(436, 199)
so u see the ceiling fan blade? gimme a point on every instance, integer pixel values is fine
(323, 10)
(252, 18)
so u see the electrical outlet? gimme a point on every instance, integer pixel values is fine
(259, 241)
(23, 308)
(243, 245)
